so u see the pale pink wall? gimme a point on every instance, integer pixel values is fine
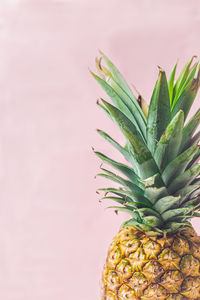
(53, 232)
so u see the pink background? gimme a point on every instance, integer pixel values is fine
(53, 232)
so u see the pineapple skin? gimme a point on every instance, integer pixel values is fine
(142, 267)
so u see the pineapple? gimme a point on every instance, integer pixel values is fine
(156, 253)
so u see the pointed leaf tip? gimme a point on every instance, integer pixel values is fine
(159, 111)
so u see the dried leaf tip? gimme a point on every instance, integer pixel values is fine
(98, 63)
(160, 69)
(100, 52)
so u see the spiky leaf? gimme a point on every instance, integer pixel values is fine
(186, 99)
(184, 179)
(179, 164)
(159, 111)
(121, 149)
(189, 130)
(169, 143)
(171, 84)
(140, 151)
(169, 214)
(166, 203)
(126, 170)
(180, 83)
(121, 104)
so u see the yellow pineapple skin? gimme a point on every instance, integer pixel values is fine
(144, 267)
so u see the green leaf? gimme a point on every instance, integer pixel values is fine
(138, 205)
(119, 102)
(171, 84)
(126, 204)
(140, 151)
(194, 140)
(153, 181)
(174, 226)
(193, 201)
(159, 112)
(116, 199)
(196, 192)
(154, 193)
(179, 164)
(104, 109)
(119, 78)
(196, 215)
(152, 221)
(169, 143)
(184, 179)
(196, 181)
(121, 149)
(133, 222)
(187, 97)
(180, 83)
(146, 223)
(189, 130)
(166, 203)
(133, 195)
(189, 78)
(110, 175)
(122, 89)
(126, 210)
(148, 212)
(182, 218)
(135, 164)
(186, 191)
(195, 159)
(127, 171)
(169, 214)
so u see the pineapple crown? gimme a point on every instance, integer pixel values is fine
(160, 184)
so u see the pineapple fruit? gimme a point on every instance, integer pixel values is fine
(156, 254)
